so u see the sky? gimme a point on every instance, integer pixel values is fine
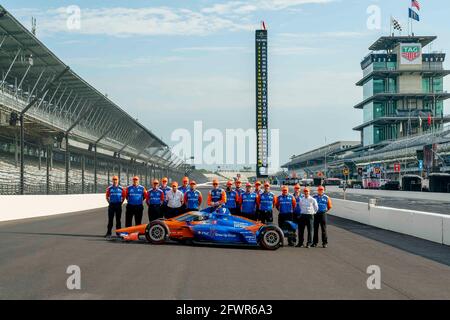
(170, 63)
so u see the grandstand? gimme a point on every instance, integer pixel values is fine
(232, 175)
(58, 134)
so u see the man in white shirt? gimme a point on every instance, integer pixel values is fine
(175, 200)
(308, 208)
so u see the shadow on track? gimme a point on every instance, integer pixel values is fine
(53, 234)
(175, 243)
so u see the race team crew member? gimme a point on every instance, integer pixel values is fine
(183, 188)
(193, 198)
(320, 219)
(308, 208)
(175, 199)
(216, 196)
(239, 191)
(285, 204)
(265, 202)
(258, 191)
(297, 195)
(135, 195)
(248, 203)
(164, 188)
(154, 199)
(232, 198)
(115, 195)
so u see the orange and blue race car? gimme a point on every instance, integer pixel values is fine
(213, 226)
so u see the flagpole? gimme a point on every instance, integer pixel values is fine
(392, 34)
(410, 23)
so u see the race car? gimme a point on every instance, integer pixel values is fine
(214, 226)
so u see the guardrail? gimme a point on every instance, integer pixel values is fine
(429, 226)
(32, 206)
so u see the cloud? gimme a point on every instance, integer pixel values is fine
(157, 21)
(212, 49)
(124, 22)
(244, 7)
(102, 62)
(293, 50)
(324, 35)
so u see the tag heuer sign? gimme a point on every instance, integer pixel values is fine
(411, 53)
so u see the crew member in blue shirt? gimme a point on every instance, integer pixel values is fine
(115, 195)
(164, 188)
(266, 202)
(232, 198)
(193, 198)
(154, 199)
(285, 204)
(320, 219)
(248, 203)
(183, 188)
(135, 196)
(297, 195)
(239, 191)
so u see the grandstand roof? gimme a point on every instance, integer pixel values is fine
(65, 101)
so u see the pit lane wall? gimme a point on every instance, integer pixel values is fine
(430, 226)
(15, 207)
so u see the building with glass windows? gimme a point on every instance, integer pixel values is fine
(403, 90)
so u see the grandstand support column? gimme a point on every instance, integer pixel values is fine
(47, 173)
(83, 164)
(67, 162)
(95, 168)
(16, 149)
(22, 147)
(146, 174)
(119, 169)
(40, 157)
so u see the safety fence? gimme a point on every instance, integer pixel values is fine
(47, 172)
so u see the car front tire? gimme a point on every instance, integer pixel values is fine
(271, 238)
(156, 232)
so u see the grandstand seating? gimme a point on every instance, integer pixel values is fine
(36, 180)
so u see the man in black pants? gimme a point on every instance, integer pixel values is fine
(115, 195)
(308, 208)
(320, 219)
(135, 195)
(155, 198)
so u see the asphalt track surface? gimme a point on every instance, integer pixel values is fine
(399, 203)
(35, 253)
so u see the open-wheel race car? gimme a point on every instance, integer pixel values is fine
(213, 226)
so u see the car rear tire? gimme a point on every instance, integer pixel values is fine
(156, 232)
(271, 238)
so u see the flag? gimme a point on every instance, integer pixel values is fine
(263, 25)
(413, 15)
(415, 3)
(429, 119)
(396, 25)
